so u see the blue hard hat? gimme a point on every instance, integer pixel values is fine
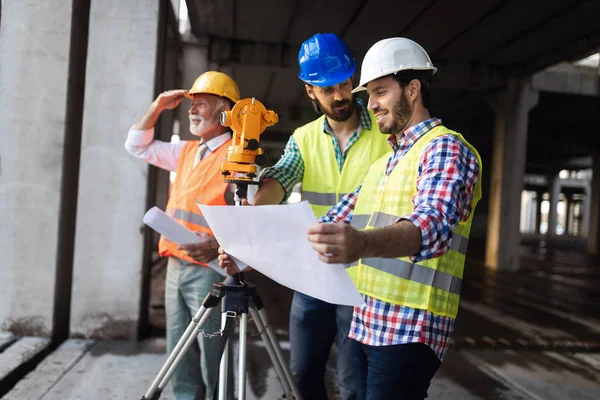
(325, 60)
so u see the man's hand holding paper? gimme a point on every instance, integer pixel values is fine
(203, 251)
(336, 243)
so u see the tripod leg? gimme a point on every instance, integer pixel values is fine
(223, 367)
(272, 345)
(189, 342)
(173, 360)
(242, 357)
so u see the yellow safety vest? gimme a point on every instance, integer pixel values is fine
(323, 185)
(432, 284)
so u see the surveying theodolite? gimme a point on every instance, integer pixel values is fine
(248, 119)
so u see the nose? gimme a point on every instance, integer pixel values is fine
(337, 95)
(372, 104)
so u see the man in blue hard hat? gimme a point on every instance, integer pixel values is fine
(330, 156)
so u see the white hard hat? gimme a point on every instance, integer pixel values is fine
(392, 55)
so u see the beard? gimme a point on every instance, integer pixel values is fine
(337, 116)
(204, 125)
(401, 113)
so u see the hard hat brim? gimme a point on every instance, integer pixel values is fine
(363, 85)
(190, 95)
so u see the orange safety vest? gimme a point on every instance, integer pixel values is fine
(204, 183)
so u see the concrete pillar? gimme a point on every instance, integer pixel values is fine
(593, 206)
(538, 210)
(531, 218)
(512, 108)
(42, 55)
(553, 210)
(585, 211)
(168, 77)
(527, 215)
(121, 81)
(568, 214)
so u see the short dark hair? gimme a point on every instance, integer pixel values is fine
(404, 78)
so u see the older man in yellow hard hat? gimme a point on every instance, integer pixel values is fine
(197, 164)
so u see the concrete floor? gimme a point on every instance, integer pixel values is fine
(534, 334)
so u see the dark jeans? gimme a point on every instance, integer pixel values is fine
(399, 372)
(314, 325)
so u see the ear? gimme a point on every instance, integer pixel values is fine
(310, 91)
(224, 105)
(413, 89)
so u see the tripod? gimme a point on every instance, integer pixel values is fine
(238, 298)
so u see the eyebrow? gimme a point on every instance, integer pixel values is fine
(376, 88)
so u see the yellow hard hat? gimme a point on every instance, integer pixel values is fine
(216, 83)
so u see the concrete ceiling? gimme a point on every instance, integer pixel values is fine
(476, 44)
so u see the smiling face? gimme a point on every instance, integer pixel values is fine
(336, 102)
(204, 114)
(390, 104)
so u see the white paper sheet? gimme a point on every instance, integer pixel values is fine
(274, 241)
(158, 220)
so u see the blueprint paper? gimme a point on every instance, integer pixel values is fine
(158, 220)
(162, 223)
(274, 241)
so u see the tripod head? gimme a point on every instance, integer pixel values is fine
(248, 119)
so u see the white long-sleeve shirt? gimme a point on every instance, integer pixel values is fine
(165, 155)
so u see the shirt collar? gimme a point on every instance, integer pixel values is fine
(414, 133)
(364, 121)
(218, 141)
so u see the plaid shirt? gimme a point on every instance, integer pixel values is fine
(289, 170)
(448, 171)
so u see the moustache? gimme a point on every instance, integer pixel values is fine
(340, 103)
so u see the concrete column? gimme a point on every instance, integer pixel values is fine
(41, 43)
(553, 211)
(538, 210)
(512, 108)
(121, 82)
(531, 217)
(568, 213)
(168, 78)
(593, 206)
(585, 212)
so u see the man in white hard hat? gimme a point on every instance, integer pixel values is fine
(198, 167)
(410, 223)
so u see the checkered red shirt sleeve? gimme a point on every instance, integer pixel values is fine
(342, 211)
(448, 172)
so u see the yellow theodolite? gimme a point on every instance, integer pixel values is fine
(248, 119)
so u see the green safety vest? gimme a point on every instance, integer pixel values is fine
(432, 284)
(322, 184)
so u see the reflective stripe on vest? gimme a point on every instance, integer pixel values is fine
(188, 216)
(322, 199)
(414, 272)
(458, 242)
